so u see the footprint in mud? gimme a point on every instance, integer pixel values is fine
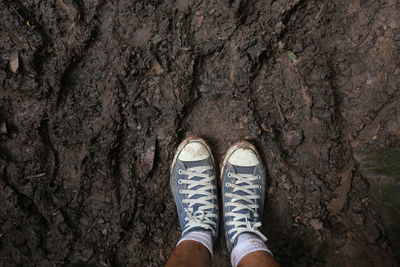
(221, 122)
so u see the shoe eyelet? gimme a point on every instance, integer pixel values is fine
(259, 176)
(181, 191)
(179, 171)
(180, 181)
(229, 174)
(227, 184)
(225, 195)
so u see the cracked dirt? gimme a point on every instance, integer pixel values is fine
(95, 96)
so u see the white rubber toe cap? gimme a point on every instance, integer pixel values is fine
(193, 151)
(244, 157)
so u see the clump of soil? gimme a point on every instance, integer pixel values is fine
(95, 96)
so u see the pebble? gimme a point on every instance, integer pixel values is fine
(316, 224)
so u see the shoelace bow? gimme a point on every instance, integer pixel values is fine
(203, 216)
(241, 221)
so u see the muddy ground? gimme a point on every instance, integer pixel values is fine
(95, 95)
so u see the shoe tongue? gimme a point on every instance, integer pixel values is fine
(244, 169)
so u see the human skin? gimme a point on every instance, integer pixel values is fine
(194, 254)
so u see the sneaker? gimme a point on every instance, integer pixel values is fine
(243, 192)
(194, 187)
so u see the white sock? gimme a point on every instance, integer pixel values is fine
(247, 243)
(203, 237)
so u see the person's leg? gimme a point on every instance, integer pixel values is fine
(250, 250)
(258, 259)
(189, 254)
(194, 187)
(243, 191)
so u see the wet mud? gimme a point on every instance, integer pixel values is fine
(96, 95)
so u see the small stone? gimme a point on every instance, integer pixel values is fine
(157, 69)
(281, 45)
(156, 39)
(14, 62)
(316, 224)
(103, 263)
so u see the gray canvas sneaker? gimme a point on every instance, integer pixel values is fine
(243, 192)
(194, 187)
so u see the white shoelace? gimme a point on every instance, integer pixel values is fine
(203, 216)
(241, 221)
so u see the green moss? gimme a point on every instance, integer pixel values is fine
(386, 199)
(292, 57)
(387, 162)
(385, 194)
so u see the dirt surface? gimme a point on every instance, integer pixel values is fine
(95, 96)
